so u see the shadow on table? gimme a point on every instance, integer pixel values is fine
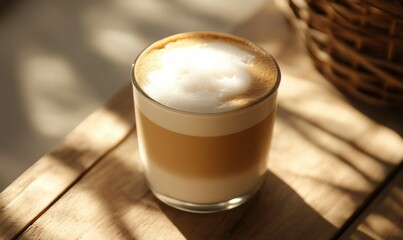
(276, 212)
(312, 133)
(113, 184)
(389, 116)
(384, 215)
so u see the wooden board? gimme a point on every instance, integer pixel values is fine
(48, 179)
(327, 158)
(383, 218)
(112, 202)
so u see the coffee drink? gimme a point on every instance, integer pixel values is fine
(205, 108)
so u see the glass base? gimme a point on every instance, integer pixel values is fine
(207, 207)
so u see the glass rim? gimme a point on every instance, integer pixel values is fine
(263, 98)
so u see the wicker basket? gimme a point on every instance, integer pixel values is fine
(356, 44)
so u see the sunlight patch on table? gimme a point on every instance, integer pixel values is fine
(339, 146)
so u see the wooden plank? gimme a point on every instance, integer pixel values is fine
(113, 202)
(383, 218)
(43, 183)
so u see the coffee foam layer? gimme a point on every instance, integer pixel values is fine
(200, 78)
(205, 73)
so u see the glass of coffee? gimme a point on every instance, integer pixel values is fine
(205, 106)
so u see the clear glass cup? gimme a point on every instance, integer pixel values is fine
(204, 162)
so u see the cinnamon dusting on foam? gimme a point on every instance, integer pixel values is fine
(205, 73)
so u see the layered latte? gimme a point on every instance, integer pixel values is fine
(205, 108)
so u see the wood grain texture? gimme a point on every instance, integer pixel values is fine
(37, 188)
(383, 219)
(113, 202)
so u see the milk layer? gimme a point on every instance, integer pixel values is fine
(200, 190)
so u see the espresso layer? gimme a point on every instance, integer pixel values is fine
(205, 157)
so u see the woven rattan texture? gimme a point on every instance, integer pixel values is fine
(356, 44)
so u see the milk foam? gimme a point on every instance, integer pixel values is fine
(201, 77)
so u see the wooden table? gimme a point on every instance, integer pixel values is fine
(335, 169)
